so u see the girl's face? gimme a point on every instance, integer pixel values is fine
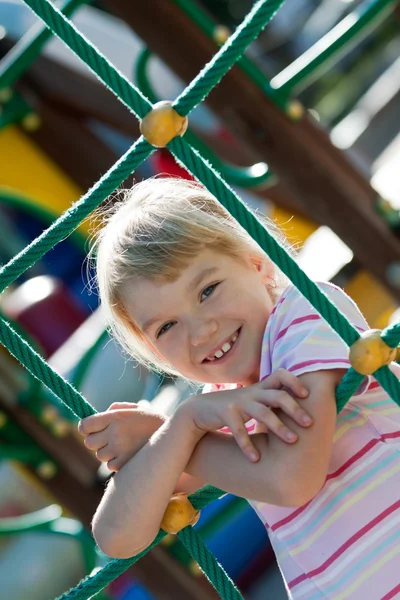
(209, 323)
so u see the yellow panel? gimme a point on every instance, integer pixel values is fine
(372, 298)
(25, 169)
(296, 229)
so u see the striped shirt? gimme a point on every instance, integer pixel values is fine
(345, 542)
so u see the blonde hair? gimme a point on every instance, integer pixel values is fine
(153, 231)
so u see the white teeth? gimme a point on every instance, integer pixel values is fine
(227, 346)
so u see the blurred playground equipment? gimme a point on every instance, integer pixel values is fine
(60, 131)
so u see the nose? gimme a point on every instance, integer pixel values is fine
(201, 331)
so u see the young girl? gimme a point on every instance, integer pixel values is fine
(188, 291)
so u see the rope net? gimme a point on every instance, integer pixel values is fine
(261, 13)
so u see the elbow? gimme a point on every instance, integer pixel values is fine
(115, 544)
(299, 493)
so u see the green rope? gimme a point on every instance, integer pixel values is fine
(205, 173)
(204, 496)
(93, 584)
(347, 387)
(391, 335)
(261, 13)
(209, 565)
(71, 219)
(113, 79)
(24, 53)
(38, 367)
(91, 56)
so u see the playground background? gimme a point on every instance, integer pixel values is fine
(59, 134)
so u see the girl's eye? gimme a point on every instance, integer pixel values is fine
(208, 290)
(165, 328)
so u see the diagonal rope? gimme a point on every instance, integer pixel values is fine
(209, 564)
(113, 79)
(207, 175)
(256, 20)
(71, 219)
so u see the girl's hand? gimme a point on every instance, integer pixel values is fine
(233, 408)
(117, 434)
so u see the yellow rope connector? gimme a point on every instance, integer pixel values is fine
(369, 353)
(179, 514)
(162, 124)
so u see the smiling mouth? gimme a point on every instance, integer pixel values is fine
(224, 350)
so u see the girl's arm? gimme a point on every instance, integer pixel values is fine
(285, 475)
(129, 515)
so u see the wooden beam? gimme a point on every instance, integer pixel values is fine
(69, 143)
(321, 177)
(75, 94)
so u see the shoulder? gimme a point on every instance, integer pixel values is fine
(300, 340)
(292, 300)
(294, 311)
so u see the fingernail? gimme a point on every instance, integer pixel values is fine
(291, 436)
(304, 393)
(253, 456)
(306, 420)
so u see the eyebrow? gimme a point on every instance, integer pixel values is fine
(191, 287)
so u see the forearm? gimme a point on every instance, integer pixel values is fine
(218, 460)
(285, 475)
(129, 515)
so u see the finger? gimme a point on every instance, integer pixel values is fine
(239, 431)
(282, 378)
(95, 441)
(105, 454)
(265, 415)
(114, 465)
(94, 423)
(118, 405)
(283, 400)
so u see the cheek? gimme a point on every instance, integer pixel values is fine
(169, 350)
(153, 349)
